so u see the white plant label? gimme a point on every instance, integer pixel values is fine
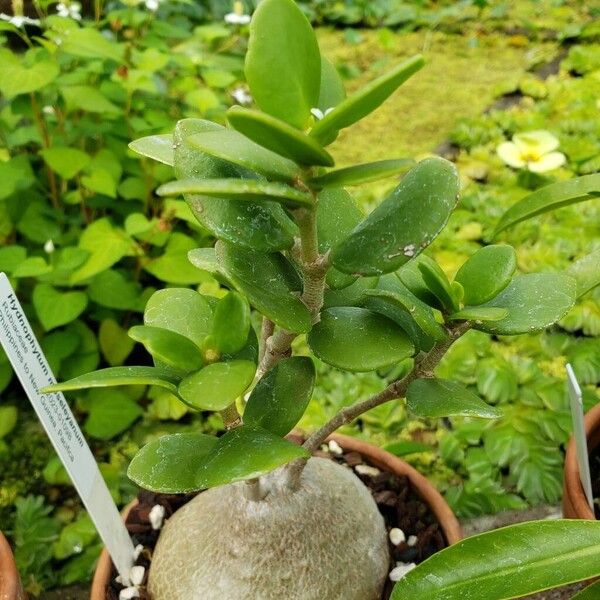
(29, 363)
(579, 434)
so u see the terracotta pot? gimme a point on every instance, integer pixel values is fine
(10, 582)
(376, 456)
(575, 505)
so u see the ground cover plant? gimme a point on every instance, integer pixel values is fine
(294, 246)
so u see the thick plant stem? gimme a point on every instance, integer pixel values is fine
(231, 417)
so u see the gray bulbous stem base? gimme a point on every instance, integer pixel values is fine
(325, 541)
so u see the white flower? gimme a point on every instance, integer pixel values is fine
(534, 150)
(48, 110)
(235, 19)
(241, 95)
(71, 10)
(19, 20)
(152, 5)
(49, 247)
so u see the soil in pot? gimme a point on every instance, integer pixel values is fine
(411, 525)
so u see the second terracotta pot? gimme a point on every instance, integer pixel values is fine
(575, 504)
(375, 456)
(10, 582)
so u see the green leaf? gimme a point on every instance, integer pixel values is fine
(337, 215)
(157, 147)
(114, 342)
(486, 273)
(11, 257)
(269, 282)
(54, 308)
(231, 323)
(233, 147)
(533, 301)
(592, 592)
(437, 282)
(8, 419)
(445, 398)
(17, 77)
(67, 162)
(88, 42)
(359, 174)
(181, 310)
(74, 537)
(244, 453)
(218, 385)
(111, 413)
(34, 266)
(114, 376)
(410, 275)
(366, 100)
(248, 190)
(351, 295)
(331, 91)
(356, 339)
(260, 225)
(168, 347)
(169, 464)
(586, 271)
(89, 99)
(404, 224)
(278, 136)
(508, 563)
(113, 290)
(405, 448)
(479, 313)
(550, 198)
(283, 62)
(281, 396)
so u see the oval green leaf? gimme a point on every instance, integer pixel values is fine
(280, 398)
(486, 273)
(550, 198)
(168, 347)
(366, 100)
(351, 295)
(507, 563)
(404, 224)
(244, 453)
(445, 398)
(231, 323)
(364, 173)
(169, 464)
(356, 339)
(278, 136)
(533, 301)
(217, 385)
(479, 313)
(247, 190)
(270, 283)
(331, 91)
(586, 271)
(283, 62)
(157, 147)
(115, 376)
(410, 275)
(437, 282)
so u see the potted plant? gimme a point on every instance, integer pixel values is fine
(10, 582)
(274, 520)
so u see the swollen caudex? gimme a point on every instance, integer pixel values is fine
(327, 540)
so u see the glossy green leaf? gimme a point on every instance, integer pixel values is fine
(229, 145)
(168, 347)
(507, 563)
(410, 275)
(366, 100)
(56, 308)
(270, 283)
(331, 90)
(283, 62)
(111, 412)
(244, 453)
(446, 398)
(437, 282)
(281, 396)
(181, 310)
(278, 136)
(533, 301)
(170, 464)
(350, 295)
(114, 376)
(231, 323)
(486, 273)
(479, 313)
(356, 339)
(260, 225)
(157, 147)
(586, 271)
(592, 592)
(217, 385)
(550, 198)
(247, 190)
(337, 215)
(404, 224)
(359, 174)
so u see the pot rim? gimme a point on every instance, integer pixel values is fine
(379, 457)
(10, 581)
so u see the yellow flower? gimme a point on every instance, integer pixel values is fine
(534, 150)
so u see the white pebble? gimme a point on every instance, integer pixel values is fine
(367, 470)
(136, 574)
(157, 516)
(122, 580)
(397, 536)
(128, 593)
(335, 448)
(412, 540)
(137, 551)
(400, 570)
